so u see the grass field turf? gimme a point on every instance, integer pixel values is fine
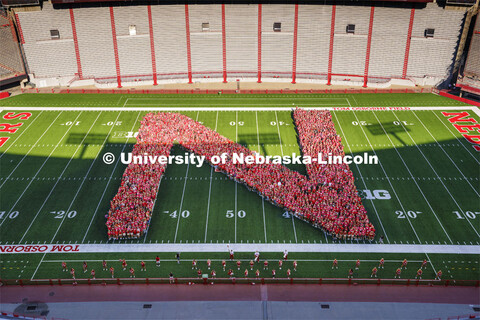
(54, 166)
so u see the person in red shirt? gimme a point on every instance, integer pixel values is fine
(288, 273)
(230, 273)
(285, 255)
(439, 275)
(424, 264)
(194, 264)
(381, 263)
(404, 264)
(124, 265)
(398, 272)
(143, 268)
(350, 273)
(238, 264)
(92, 273)
(157, 261)
(357, 264)
(419, 273)
(251, 264)
(84, 266)
(246, 273)
(132, 272)
(112, 271)
(64, 266)
(374, 272)
(257, 273)
(199, 273)
(294, 265)
(213, 273)
(104, 265)
(273, 273)
(265, 265)
(335, 264)
(231, 253)
(72, 272)
(224, 263)
(209, 264)
(280, 264)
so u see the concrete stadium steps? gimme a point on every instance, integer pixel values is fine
(433, 56)
(10, 58)
(133, 51)
(389, 38)
(349, 49)
(206, 46)
(95, 39)
(169, 35)
(241, 24)
(313, 38)
(47, 57)
(54, 58)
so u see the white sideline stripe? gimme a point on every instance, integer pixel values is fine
(476, 110)
(262, 247)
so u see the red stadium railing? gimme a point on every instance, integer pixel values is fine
(240, 280)
(207, 91)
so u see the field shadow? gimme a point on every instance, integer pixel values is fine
(388, 128)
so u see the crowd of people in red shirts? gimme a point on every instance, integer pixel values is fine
(343, 213)
(327, 199)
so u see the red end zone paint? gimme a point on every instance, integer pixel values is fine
(464, 128)
(7, 127)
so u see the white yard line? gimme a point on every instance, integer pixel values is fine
(58, 179)
(278, 130)
(453, 162)
(21, 133)
(262, 247)
(38, 266)
(263, 200)
(210, 188)
(448, 191)
(181, 203)
(460, 141)
(36, 173)
(411, 175)
(348, 101)
(476, 110)
(28, 152)
(86, 175)
(353, 96)
(361, 178)
(390, 183)
(109, 180)
(294, 229)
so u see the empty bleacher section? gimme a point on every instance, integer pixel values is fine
(470, 81)
(433, 56)
(234, 40)
(241, 32)
(11, 65)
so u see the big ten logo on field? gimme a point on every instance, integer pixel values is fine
(374, 194)
(11, 128)
(458, 119)
(124, 134)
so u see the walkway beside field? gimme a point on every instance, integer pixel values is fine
(243, 301)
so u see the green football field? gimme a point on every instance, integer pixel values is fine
(56, 189)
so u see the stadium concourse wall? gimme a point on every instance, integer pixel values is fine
(224, 42)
